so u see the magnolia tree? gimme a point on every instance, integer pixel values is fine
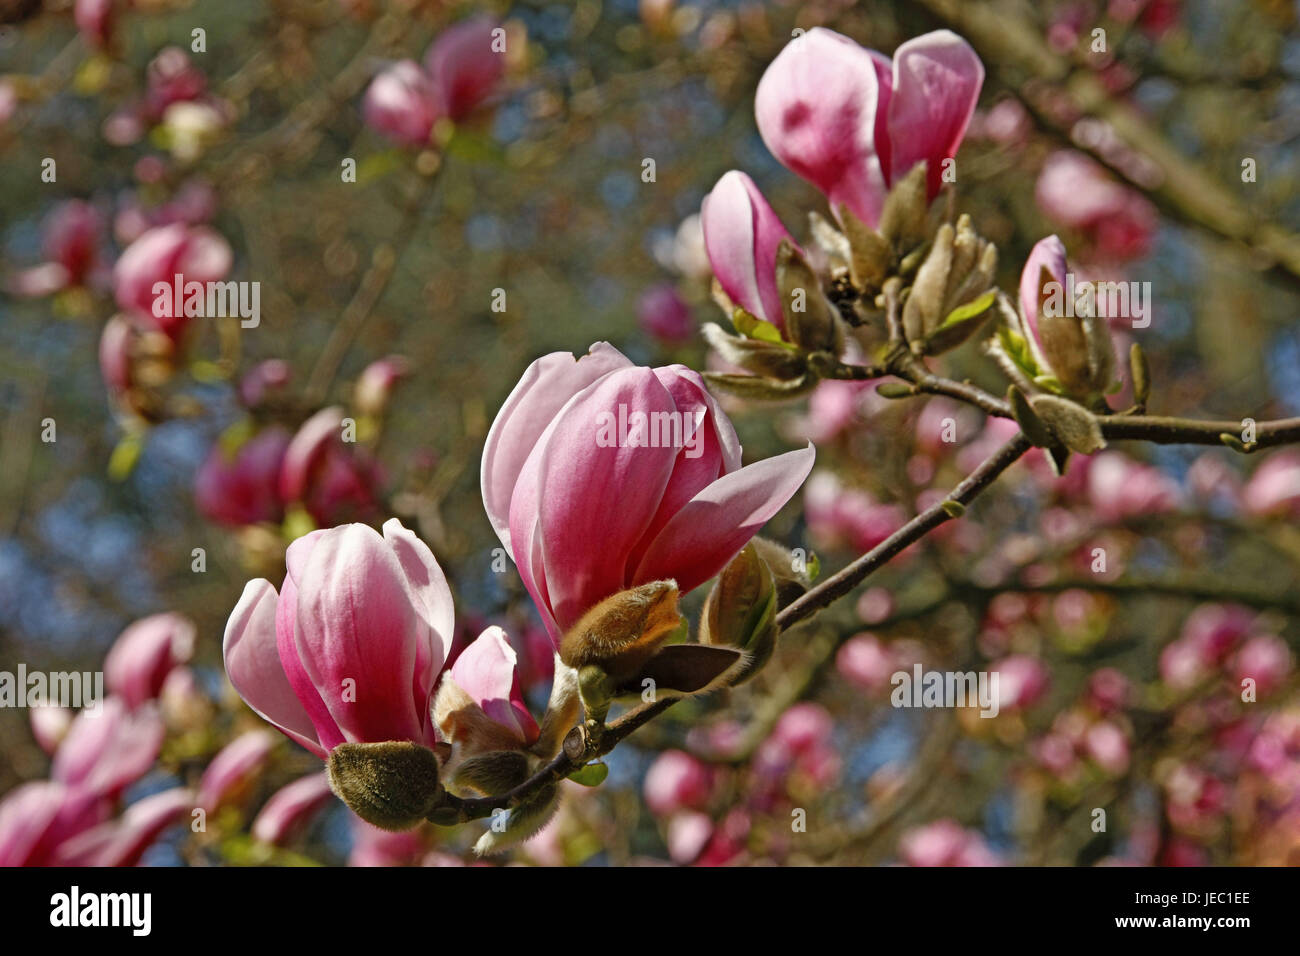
(958, 605)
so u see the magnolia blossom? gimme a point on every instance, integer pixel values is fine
(741, 236)
(676, 781)
(233, 767)
(123, 841)
(664, 315)
(108, 748)
(588, 511)
(486, 674)
(1120, 488)
(852, 122)
(402, 104)
(290, 807)
(334, 480)
(843, 517)
(145, 653)
(350, 647)
(243, 488)
(1077, 192)
(70, 242)
(945, 843)
(466, 64)
(197, 254)
(1274, 488)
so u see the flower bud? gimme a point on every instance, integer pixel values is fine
(145, 653)
(742, 235)
(392, 785)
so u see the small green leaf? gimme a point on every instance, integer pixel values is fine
(592, 775)
(970, 310)
(753, 327)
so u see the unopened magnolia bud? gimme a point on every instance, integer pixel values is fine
(870, 254)
(924, 306)
(793, 572)
(516, 824)
(1033, 426)
(756, 388)
(497, 772)
(772, 360)
(1073, 425)
(895, 390)
(741, 603)
(392, 785)
(1141, 374)
(623, 631)
(811, 322)
(902, 221)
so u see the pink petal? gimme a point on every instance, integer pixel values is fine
(253, 665)
(594, 502)
(937, 80)
(818, 107)
(742, 234)
(544, 389)
(708, 532)
(432, 601)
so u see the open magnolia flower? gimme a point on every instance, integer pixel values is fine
(600, 476)
(854, 123)
(350, 648)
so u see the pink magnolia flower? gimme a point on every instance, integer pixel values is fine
(741, 236)
(1077, 192)
(866, 662)
(234, 766)
(171, 77)
(664, 315)
(852, 122)
(687, 834)
(402, 104)
(676, 781)
(1120, 488)
(465, 67)
(334, 480)
(945, 843)
(290, 808)
(1274, 488)
(243, 489)
(351, 646)
(486, 672)
(94, 19)
(1108, 690)
(590, 507)
(842, 517)
(122, 842)
(1266, 659)
(372, 846)
(1022, 681)
(36, 818)
(197, 254)
(376, 382)
(108, 748)
(1107, 746)
(145, 653)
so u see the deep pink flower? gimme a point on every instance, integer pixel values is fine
(1108, 690)
(402, 104)
(945, 843)
(852, 122)
(741, 236)
(664, 315)
(197, 254)
(1120, 488)
(1022, 681)
(145, 653)
(233, 767)
(245, 489)
(1266, 659)
(842, 517)
(1274, 488)
(290, 807)
(865, 662)
(334, 480)
(71, 239)
(94, 19)
(122, 842)
(171, 77)
(350, 648)
(36, 818)
(1077, 192)
(106, 751)
(263, 378)
(486, 672)
(588, 508)
(463, 65)
(676, 781)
